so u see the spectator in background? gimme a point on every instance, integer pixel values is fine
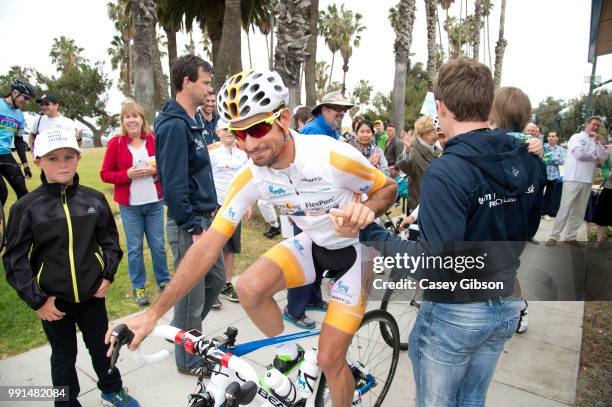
(531, 129)
(207, 118)
(557, 154)
(394, 150)
(301, 116)
(52, 119)
(189, 192)
(364, 142)
(328, 115)
(129, 164)
(583, 153)
(226, 159)
(603, 210)
(417, 157)
(380, 135)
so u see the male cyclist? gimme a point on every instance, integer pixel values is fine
(304, 177)
(12, 128)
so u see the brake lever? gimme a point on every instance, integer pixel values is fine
(123, 336)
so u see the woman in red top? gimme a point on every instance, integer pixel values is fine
(129, 164)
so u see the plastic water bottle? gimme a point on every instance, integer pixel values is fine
(281, 385)
(308, 373)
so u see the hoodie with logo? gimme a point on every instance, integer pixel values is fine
(183, 166)
(485, 187)
(62, 241)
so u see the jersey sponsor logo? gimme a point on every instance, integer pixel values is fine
(364, 189)
(341, 292)
(276, 191)
(231, 213)
(494, 201)
(531, 189)
(314, 179)
(91, 210)
(298, 246)
(318, 204)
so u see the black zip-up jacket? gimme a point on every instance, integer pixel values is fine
(73, 240)
(183, 166)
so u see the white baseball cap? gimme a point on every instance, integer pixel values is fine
(53, 139)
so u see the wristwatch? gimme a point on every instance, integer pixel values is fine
(196, 230)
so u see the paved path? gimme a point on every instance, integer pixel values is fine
(538, 369)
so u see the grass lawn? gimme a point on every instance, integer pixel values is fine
(19, 321)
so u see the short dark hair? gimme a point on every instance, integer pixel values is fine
(188, 66)
(466, 87)
(391, 125)
(365, 123)
(590, 119)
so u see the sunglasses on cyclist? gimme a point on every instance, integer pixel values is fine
(26, 97)
(256, 130)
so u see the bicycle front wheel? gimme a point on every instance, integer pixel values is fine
(370, 355)
(403, 306)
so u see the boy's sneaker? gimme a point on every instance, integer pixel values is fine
(272, 232)
(228, 292)
(140, 297)
(163, 286)
(119, 399)
(319, 306)
(217, 303)
(523, 321)
(285, 364)
(302, 322)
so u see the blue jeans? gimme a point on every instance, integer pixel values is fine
(190, 311)
(147, 219)
(454, 349)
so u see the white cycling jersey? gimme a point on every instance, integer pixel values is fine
(325, 174)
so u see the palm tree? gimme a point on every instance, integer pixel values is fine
(351, 29)
(500, 47)
(446, 4)
(229, 59)
(65, 53)
(393, 17)
(171, 21)
(292, 33)
(329, 28)
(253, 14)
(363, 91)
(403, 41)
(119, 51)
(322, 79)
(310, 70)
(432, 45)
(122, 49)
(143, 23)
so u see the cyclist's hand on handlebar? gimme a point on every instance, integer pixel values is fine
(408, 220)
(140, 325)
(49, 312)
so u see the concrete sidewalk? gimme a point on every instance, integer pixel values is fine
(538, 368)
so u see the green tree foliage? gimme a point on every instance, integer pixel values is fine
(416, 89)
(546, 114)
(26, 73)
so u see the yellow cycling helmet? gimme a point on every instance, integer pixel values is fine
(251, 92)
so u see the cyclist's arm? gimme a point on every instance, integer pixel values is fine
(21, 148)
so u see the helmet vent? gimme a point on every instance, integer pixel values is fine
(270, 79)
(232, 94)
(258, 96)
(243, 100)
(233, 109)
(254, 88)
(265, 102)
(278, 88)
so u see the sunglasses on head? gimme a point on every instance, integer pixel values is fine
(256, 130)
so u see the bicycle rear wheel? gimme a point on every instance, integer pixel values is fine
(374, 355)
(403, 306)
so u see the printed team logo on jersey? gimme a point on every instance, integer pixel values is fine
(276, 191)
(515, 172)
(298, 246)
(199, 144)
(231, 213)
(314, 179)
(531, 189)
(341, 292)
(91, 211)
(364, 189)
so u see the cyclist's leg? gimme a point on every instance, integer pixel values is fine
(286, 265)
(15, 177)
(3, 190)
(346, 309)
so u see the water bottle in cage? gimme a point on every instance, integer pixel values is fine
(307, 375)
(281, 385)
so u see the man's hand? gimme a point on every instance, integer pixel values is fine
(535, 147)
(49, 312)
(407, 221)
(101, 293)
(349, 220)
(141, 325)
(248, 214)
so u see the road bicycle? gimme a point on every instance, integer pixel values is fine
(234, 381)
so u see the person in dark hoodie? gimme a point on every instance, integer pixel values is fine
(484, 187)
(185, 172)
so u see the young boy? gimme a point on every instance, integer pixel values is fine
(62, 255)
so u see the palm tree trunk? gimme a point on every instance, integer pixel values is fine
(403, 41)
(331, 69)
(160, 82)
(441, 47)
(477, 29)
(310, 69)
(271, 56)
(229, 59)
(345, 70)
(249, 48)
(432, 51)
(143, 18)
(500, 47)
(172, 53)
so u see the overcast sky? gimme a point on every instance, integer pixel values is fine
(546, 53)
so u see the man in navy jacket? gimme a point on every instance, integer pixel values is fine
(485, 188)
(185, 174)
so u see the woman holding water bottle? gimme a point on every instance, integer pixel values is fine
(129, 164)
